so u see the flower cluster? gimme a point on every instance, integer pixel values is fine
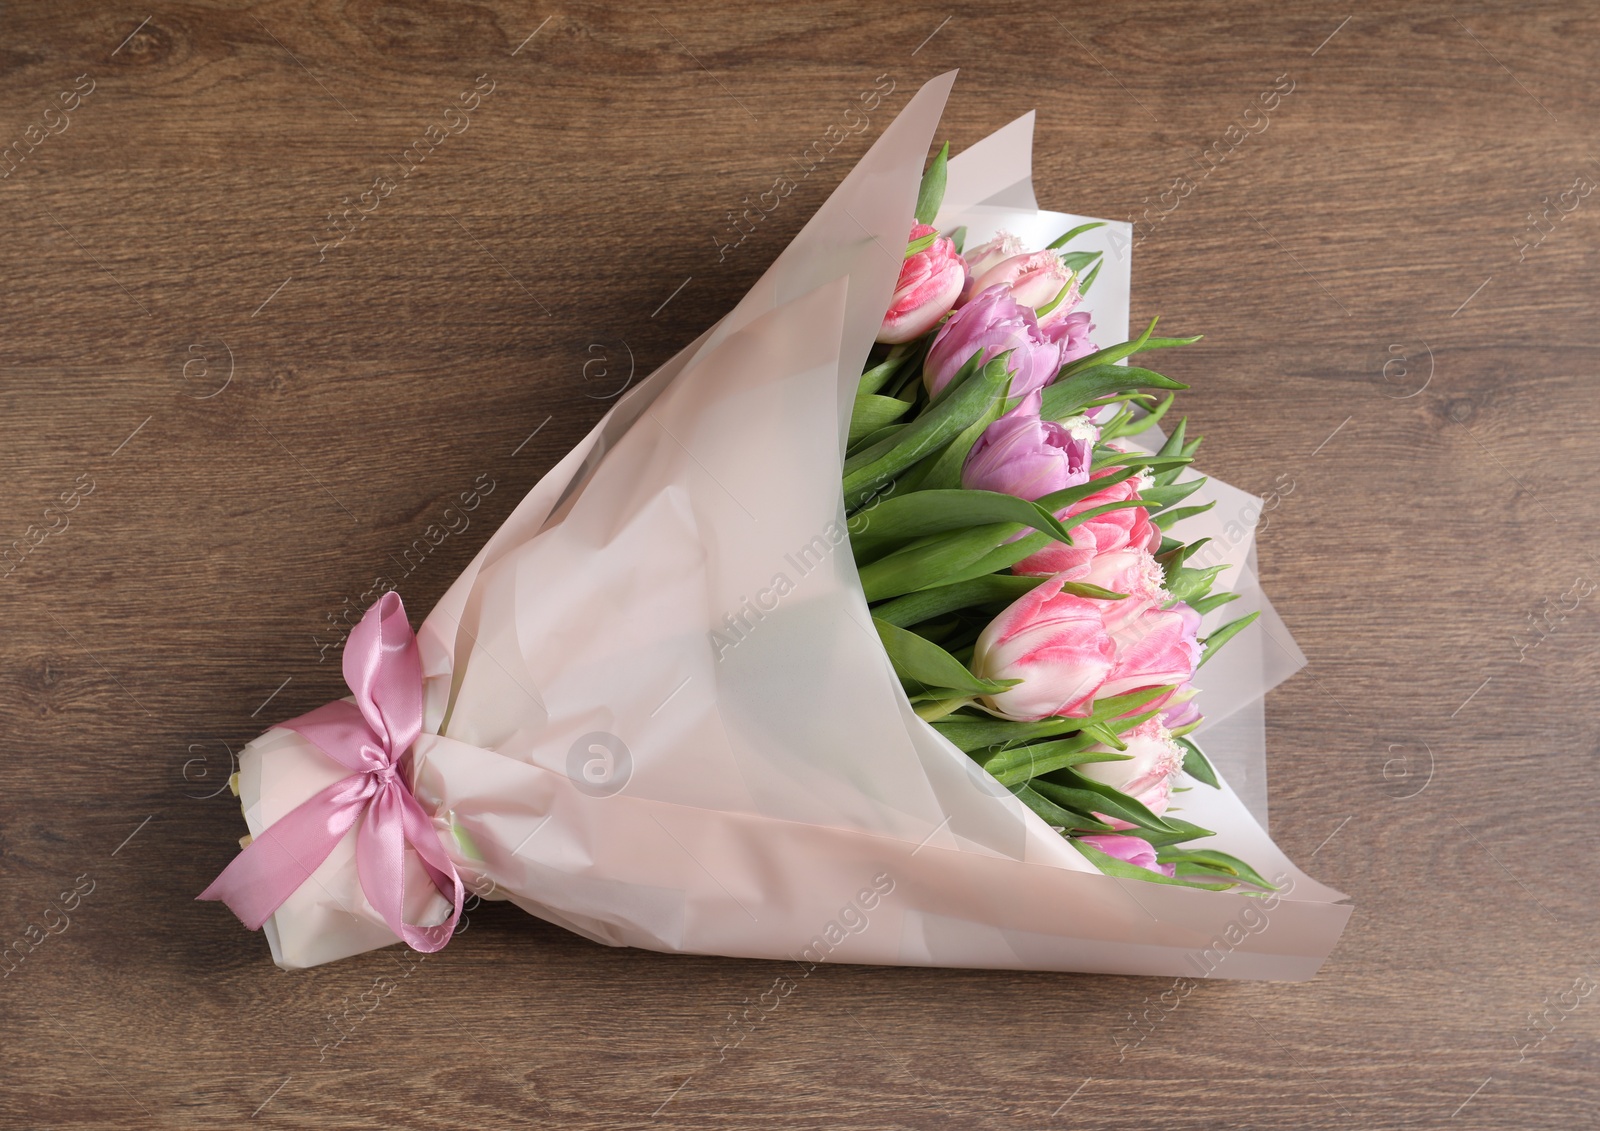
(1014, 544)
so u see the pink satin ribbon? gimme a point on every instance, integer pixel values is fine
(384, 668)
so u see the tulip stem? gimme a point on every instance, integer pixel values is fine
(881, 374)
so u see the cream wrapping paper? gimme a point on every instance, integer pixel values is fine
(658, 714)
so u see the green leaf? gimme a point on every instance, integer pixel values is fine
(1055, 816)
(1174, 553)
(1084, 589)
(1088, 280)
(1070, 394)
(1090, 802)
(1171, 517)
(921, 661)
(1058, 501)
(869, 470)
(922, 243)
(1197, 765)
(931, 194)
(1095, 797)
(1118, 424)
(945, 470)
(1017, 765)
(1127, 703)
(1173, 447)
(1067, 237)
(1204, 605)
(1184, 583)
(1112, 866)
(1103, 733)
(914, 608)
(935, 560)
(1110, 457)
(1066, 289)
(1136, 424)
(864, 453)
(872, 413)
(1004, 554)
(981, 733)
(1162, 496)
(1126, 349)
(1224, 634)
(1216, 863)
(971, 366)
(959, 238)
(1174, 444)
(972, 733)
(1186, 832)
(874, 379)
(937, 511)
(938, 708)
(887, 432)
(1077, 261)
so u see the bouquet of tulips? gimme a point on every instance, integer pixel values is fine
(1013, 544)
(697, 695)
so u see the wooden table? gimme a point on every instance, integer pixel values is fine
(233, 404)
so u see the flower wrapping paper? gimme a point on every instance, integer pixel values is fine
(657, 713)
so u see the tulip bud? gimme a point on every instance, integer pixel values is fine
(1071, 332)
(1130, 849)
(1183, 710)
(1056, 644)
(1146, 775)
(930, 283)
(991, 324)
(1159, 646)
(1035, 279)
(986, 255)
(1114, 530)
(1022, 455)
(1131, 571)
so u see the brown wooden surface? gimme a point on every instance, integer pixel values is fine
(1431, 509)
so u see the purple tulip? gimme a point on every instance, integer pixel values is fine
(1131, 850)
(991, 324)
(1183, 710)
(1022, 455)
(1072, 335)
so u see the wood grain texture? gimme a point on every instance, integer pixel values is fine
(237, 505)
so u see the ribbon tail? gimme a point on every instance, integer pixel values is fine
(394, 820)
(421, 835)
(266, 873)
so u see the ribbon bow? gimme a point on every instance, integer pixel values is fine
(369, 737)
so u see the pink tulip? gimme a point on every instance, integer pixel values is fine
(1114, 530)
(1057, 644)
(987, 255)
(1022, 455)
(930, 282)
(1035, 279)
(1159, 646)
(1146, 775)
(1130, 849)
(989, 325)
(1130, 571)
